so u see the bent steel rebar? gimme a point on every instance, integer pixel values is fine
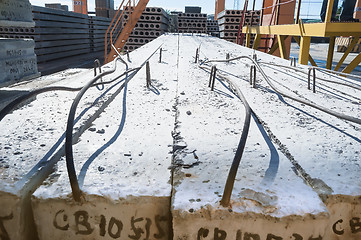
(97, 64)
(274, 88)
(241, 146)
(70, 124)
(12, 105)
(330, 72)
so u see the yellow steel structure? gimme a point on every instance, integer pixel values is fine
(302, 33)
(121, 26)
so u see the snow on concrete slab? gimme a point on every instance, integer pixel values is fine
(122, 163)
(324, 150)
(268, 202)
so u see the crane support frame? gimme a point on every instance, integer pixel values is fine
(302, 33)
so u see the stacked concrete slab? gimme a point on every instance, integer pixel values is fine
(17, 57)
(212, 28)
(192, 23)
(61, 35)
(229, 22)
(152, 23)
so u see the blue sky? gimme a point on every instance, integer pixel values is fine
(309, 9)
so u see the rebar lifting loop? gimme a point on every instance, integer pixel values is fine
(313, 79)
(160, 55)
(252, 79)
(97, 64)
(293, 62)
(148, 81)
(197, 55)
(212, 78)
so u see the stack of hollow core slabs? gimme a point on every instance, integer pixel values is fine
(152, 23)
(229, 22)
(192, 23)
(212, 28)
(17, 57)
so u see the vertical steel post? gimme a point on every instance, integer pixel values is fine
(314, 80)
(160, 55)
(254, 76)
(210, 77)
(148, 74)
(197, 55)
(214, 78)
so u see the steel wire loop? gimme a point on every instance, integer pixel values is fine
(274, 88)
(97, 64)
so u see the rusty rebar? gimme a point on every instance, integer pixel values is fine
(148, 83)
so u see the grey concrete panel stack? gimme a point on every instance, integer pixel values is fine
(229, 22)
(16, 13)
(152, 23)
(192, 23)
(17, 58)
(60, 34)
(97, 29)
(212, 28)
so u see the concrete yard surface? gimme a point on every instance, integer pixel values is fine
(152, 163)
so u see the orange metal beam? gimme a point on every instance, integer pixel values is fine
(128, 28)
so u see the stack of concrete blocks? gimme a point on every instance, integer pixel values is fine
(152, 23)
(57, 6)
(17, 57)
(192, 23)
(212, 28)
(104, 8)
(229, 23)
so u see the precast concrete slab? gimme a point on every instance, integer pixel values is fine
(268, 202)
(122, 163)
(152, 162)
(31, 142)
(17, 60)
(323, 149)
(16, 13)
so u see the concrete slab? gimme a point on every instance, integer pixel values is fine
(268, 202)
(17, 60)
(16, 13)
(30, 145)
(122, 164)
(323, 149)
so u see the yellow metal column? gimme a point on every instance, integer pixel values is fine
(256, 41)
(352, 64)
(331, 48)
(304, 50)
(248, 40)
(329, 11)
(282, 47)
(273, 48)
(313, 63)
